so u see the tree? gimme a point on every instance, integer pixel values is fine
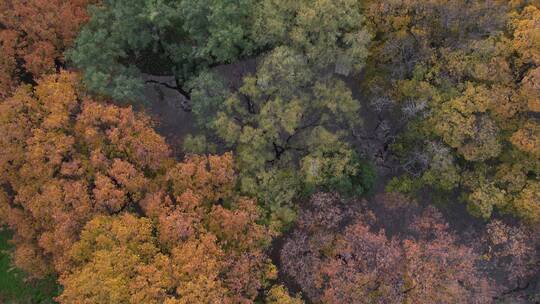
(464, 126)
(438, 268)
(126, 38)
(279, 295)
(527, 138)
(329, 33)
(93, 196)
(411, 32)
(33, 37)
(199, 242)
(476, 85)
(340, 252)
(288, 129)
(114, 256)
(526, 39)
(67, 158)
(511, 249)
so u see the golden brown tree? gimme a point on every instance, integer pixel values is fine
(33, 36)
(199, 242)
(91, 193)
(67, 158)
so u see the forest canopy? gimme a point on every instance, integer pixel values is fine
(270, 151)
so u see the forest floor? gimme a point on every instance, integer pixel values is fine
(164, 104)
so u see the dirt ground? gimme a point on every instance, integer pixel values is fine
(164, 104)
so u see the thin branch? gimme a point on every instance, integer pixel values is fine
(163, 84)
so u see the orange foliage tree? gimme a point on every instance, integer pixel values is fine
(207, 246)
(34, 35)
(66, 158)
(189, 260)
(91, 193)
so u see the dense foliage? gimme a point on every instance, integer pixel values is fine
(92, 195)
(289, 130)
(33, 37)
(125, 38)
(289, 123)
(343, 252)
(332, 151)
(471, 95)
(67, 158)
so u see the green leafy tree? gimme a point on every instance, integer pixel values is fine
(125, 38)
(289, 129)
(329, 33)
